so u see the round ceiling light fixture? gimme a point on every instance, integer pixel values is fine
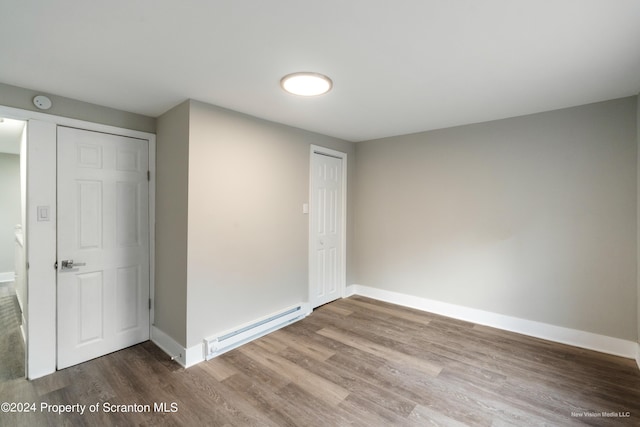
(306, 84)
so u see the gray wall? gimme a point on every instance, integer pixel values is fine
(532, 217)
(248, 237)
(17, 97)
(172, 181)
(10, 211)
(638, 215)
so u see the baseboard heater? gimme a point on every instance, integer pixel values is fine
(229, 340)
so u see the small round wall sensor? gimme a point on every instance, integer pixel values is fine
(42, 102)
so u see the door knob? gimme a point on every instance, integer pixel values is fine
(68, 264)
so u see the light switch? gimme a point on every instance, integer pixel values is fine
(43, 213)
(305, 208)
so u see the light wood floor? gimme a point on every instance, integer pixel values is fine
(352, 362)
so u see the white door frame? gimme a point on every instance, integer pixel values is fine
(343, 238)
(41, 237)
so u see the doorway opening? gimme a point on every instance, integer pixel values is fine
(13, 277)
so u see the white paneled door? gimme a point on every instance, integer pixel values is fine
(327, 229)
(103, 244)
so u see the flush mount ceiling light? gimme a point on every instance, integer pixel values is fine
(306, 84)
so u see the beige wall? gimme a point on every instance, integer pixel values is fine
(231, 238)
(172, 185)
(248, 237)
(638, 216)
(10, 210)
(17, 97)
(532, 217)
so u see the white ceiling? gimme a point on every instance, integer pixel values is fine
(10, 135)
(397, 66)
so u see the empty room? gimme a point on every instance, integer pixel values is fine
(294, 213)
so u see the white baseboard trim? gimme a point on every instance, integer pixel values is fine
(576, 338)
(194, 355)
(186, 357)
(7, 276)
(351, 290)
(20, 303)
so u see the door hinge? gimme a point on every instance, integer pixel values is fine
(149, 303)
(148, 175)
(55, 265)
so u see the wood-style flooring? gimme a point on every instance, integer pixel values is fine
(11, 343)
(357, 362)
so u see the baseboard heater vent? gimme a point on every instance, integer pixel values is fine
(229, 340)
